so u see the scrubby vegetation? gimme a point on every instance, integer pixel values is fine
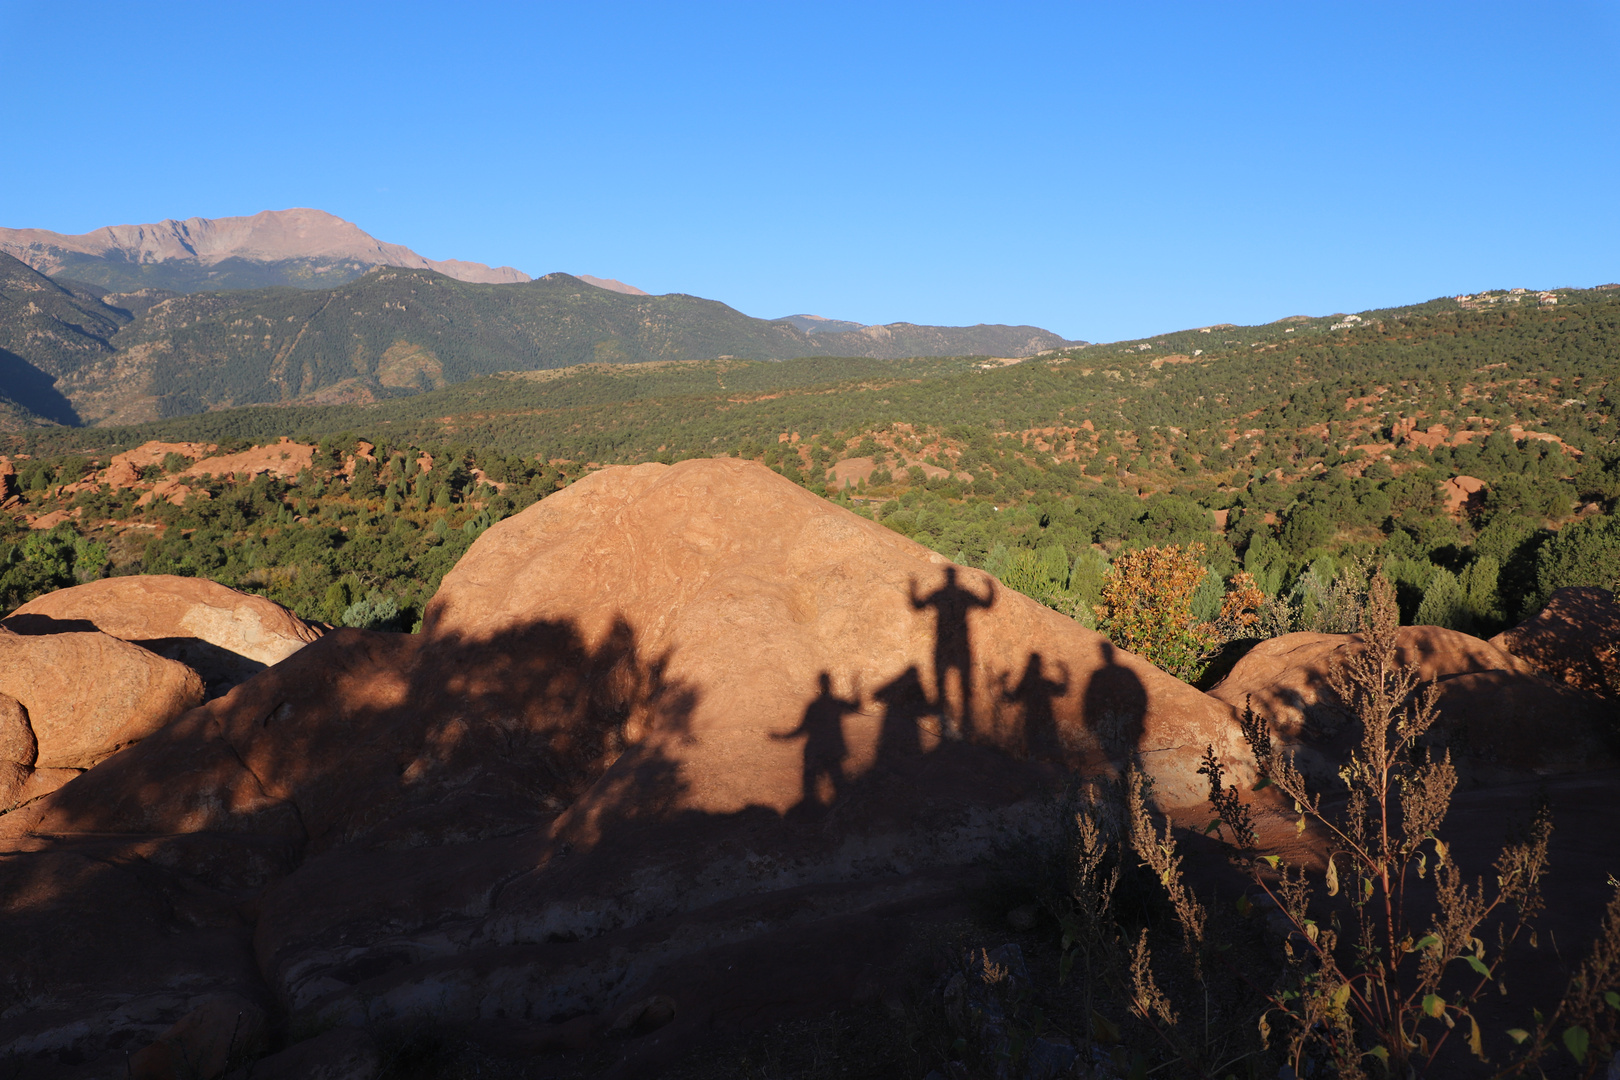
(1293, 453)
(1178, 494)
(362, 547)
(1382, 952)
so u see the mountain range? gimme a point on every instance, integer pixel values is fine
(302, 248)
(74, 352)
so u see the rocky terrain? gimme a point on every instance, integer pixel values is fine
(300, 247)
(679, 752)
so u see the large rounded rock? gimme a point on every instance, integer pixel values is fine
(17, 743)
(88, 694)
(685, 731)
(17, 751)
(803, 628)
(224, 635)
(1574, 639)
(1500, 715)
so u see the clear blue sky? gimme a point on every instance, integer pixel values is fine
(1103, 170)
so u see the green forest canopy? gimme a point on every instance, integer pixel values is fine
(1323, 443)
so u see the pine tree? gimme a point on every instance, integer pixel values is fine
(1445, 603)
(1480, 583)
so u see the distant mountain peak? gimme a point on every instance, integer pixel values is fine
(819, 324)
(325, 248)
(612, 285)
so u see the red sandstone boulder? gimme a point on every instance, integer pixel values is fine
(684, 735)
(20, 781)
(17, 742)
(284, 459)
(775, 606)
(88, 694)
(1463, 494)
(1574, 639)
(1501, 717)
(684, 731)
(224, 635)
(18, 750)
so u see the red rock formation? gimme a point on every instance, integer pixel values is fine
(174, 492)
(678, 745)
(1505, 719)
(755, 615)
(89, 694)
(18, 750)
(284, 459)
(224, 635)
(223, 1030)
(8, 480)
(687, 717)
(1573, 639)
(1463, 493)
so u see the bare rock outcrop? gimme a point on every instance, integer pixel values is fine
(1500, 715)
(222, 1031)
(284, 459)
(224, 635)
(1574, 639)
(266, 236)
(682, 734)
(88, 694)
(771, 601)
(18, 750)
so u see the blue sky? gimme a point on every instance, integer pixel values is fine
(1103, 170)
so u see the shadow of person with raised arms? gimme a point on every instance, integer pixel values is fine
(953, 650)
(824, 747)
(1035, 692)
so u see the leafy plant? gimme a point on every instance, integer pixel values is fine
(1147, 608)
(1375, 969)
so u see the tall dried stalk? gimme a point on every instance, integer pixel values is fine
(1389, 990)
(1115, 818)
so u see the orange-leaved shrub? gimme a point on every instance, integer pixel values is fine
(1147, 608)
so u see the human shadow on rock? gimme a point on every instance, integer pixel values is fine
(953, 646)
(824, 746)
(1035, 695)
(1115, 706)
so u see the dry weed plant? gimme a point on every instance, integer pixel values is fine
(1386, 957)
(1114, 824)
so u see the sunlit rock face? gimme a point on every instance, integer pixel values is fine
(684, 734)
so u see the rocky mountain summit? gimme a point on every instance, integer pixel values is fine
(680, 751)
(301, 247)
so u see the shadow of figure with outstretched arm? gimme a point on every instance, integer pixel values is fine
(822, 730)
(953, 649)
(1036, 693)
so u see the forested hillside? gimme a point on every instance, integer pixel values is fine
(1303, 452)
(48, 330)
(390, 333)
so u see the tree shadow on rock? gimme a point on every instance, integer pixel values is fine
(298, 812)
